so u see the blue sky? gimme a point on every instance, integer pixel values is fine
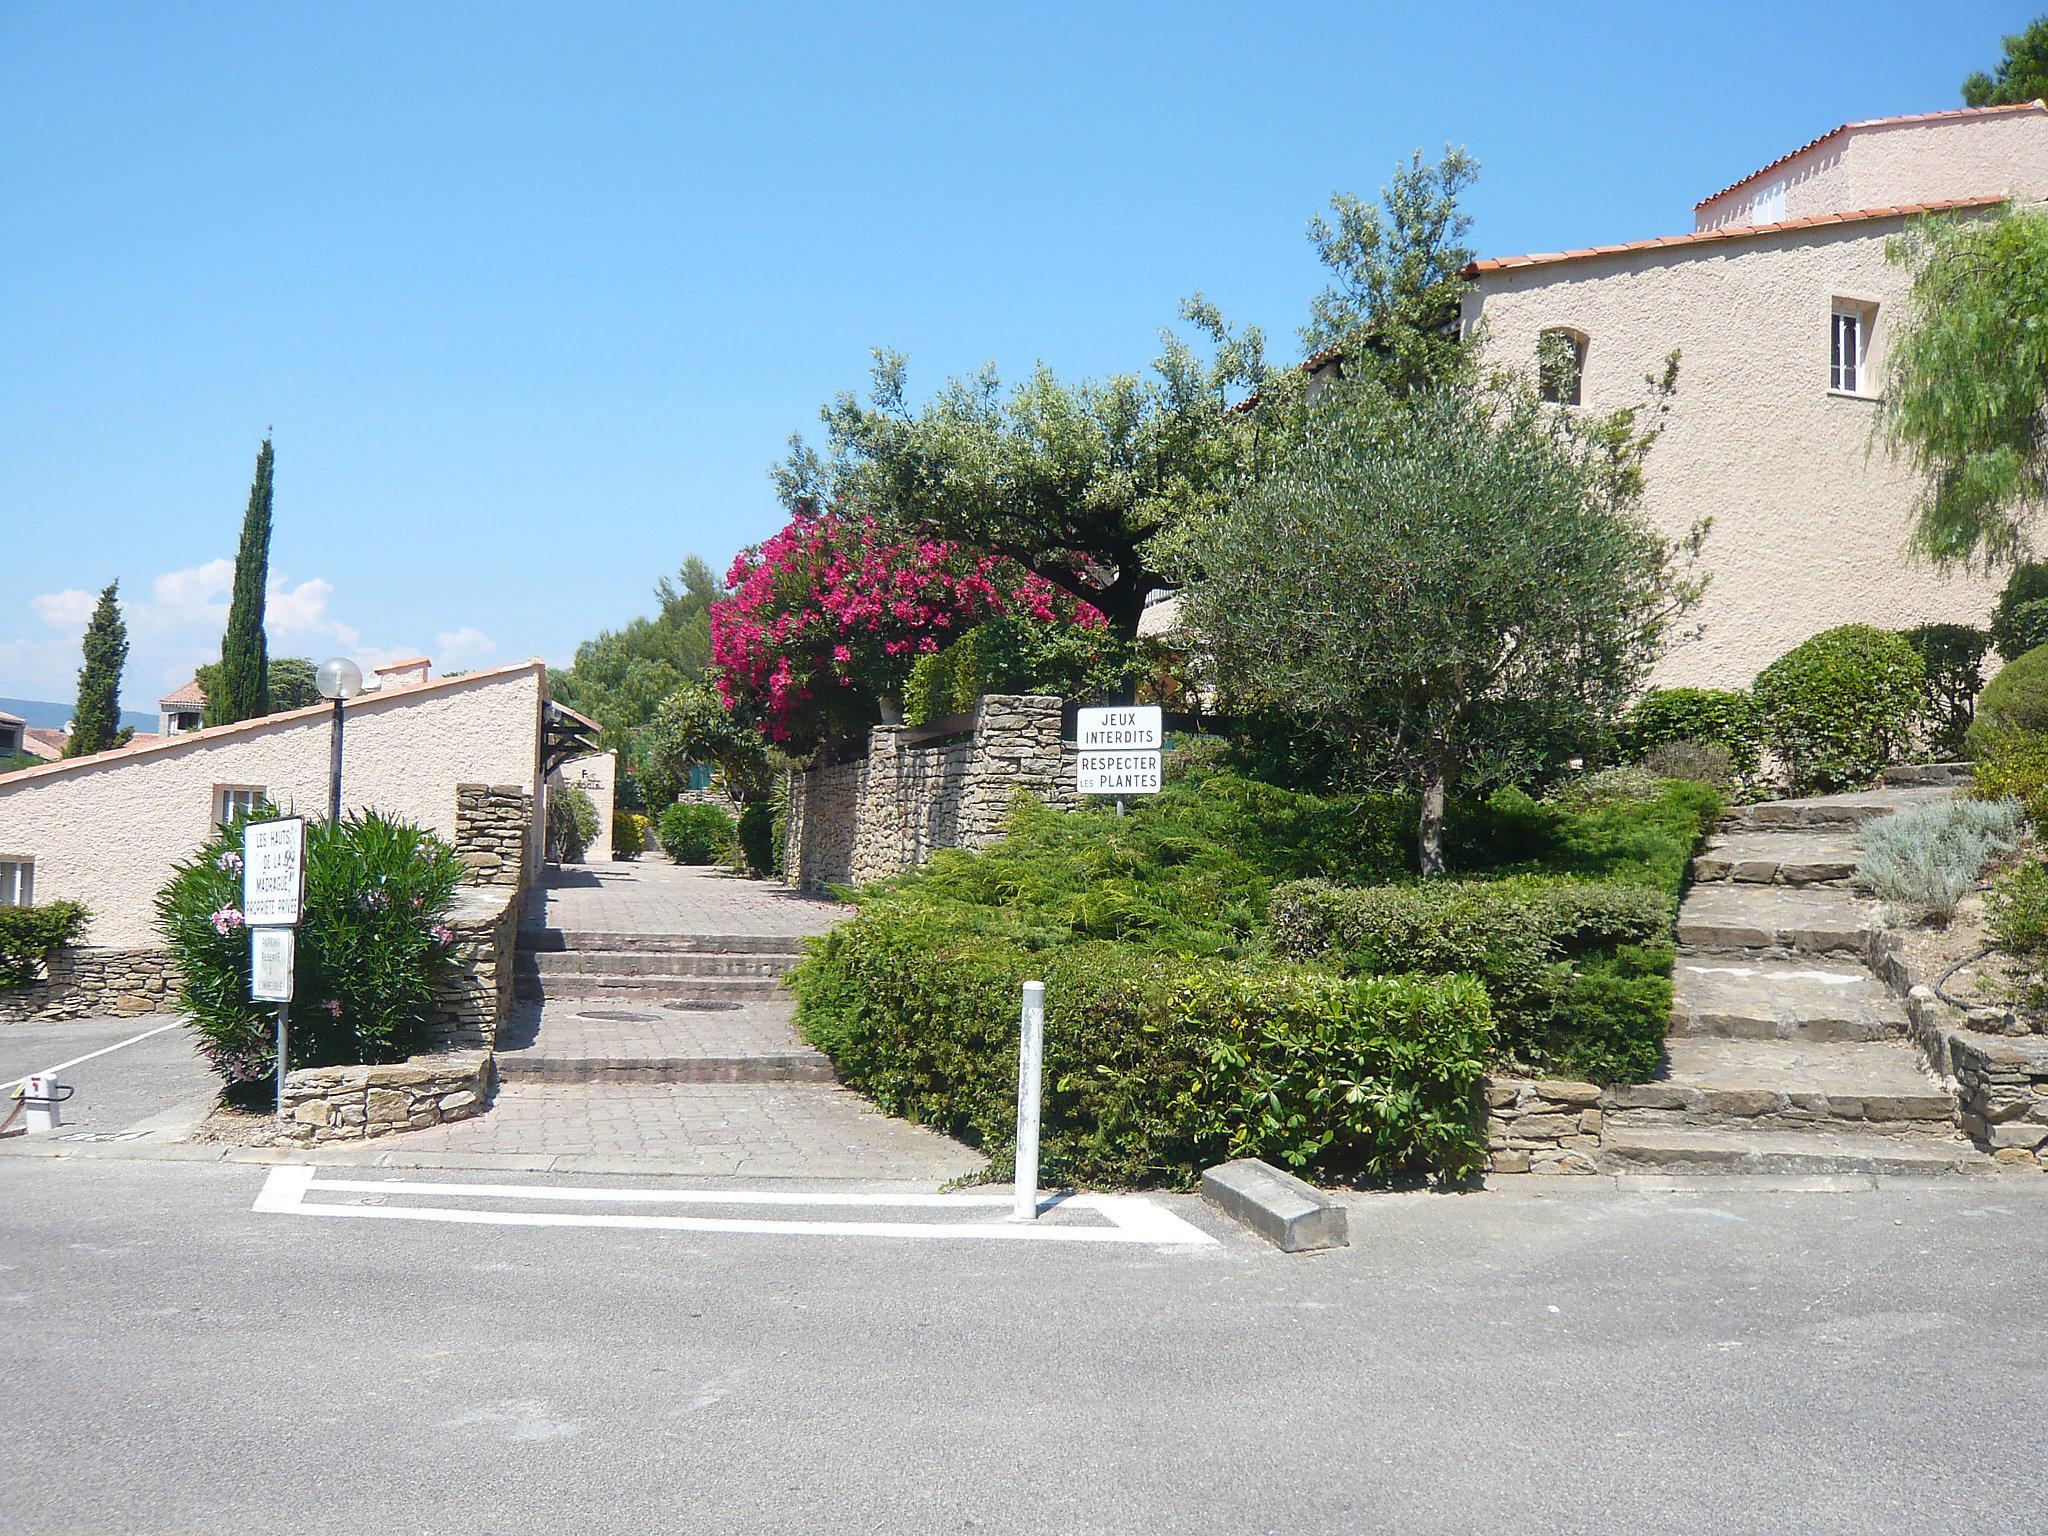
(533, 295)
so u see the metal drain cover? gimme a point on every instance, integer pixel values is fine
(723, 1007)
(619, 1016)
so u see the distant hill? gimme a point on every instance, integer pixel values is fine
(43, 714)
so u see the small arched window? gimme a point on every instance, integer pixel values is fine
(1560, 364)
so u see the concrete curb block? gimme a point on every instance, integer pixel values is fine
(1294, 1217)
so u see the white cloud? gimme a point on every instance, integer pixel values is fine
(196, 595)
(66, 610)
(464, 649)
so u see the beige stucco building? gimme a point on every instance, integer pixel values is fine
(1780, 302)
(107, 830)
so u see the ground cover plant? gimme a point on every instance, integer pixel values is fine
(30, 935)
(373, 948)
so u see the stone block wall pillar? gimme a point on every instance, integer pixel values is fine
(878, 832)
(493, 823)
(1016, 748)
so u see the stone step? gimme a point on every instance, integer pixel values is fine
(1727, 918)
(544, 940)
(626, 962)
(802, 1065)
(664, 987)
(1830, 811)
(1920, 775)
(1760, 1152)
(1778, 858)
(1738, 999)
(1788, 1085)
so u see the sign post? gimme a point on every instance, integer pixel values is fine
(273, 896)
(1030, 1068)
(1116, 751)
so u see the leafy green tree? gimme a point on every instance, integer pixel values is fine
(621, 677)
(293, 682)
(1432, 582)
(244, 692)
(1073, 481)
(96, 721)
(1966, 387)
(1397, 275)
(2022, 75)
(694, 726)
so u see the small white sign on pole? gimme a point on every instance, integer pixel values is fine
(1117, 773)
(272, 955)
(273, 871)
(1121, 728)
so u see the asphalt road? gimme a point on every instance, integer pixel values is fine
(1591, 1361)
(160, 1080)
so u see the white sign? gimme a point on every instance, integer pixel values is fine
(271, 954)
(273, 871)
(1117, 773)
(1121, 728)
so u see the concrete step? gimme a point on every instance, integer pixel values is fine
(636, 962)
(1920, 775)
(1756, 1152)
(1778, 858)
(662, 987)
(1830, 811)
(1739, 999)
(1726, 918)
(796, 1066)
(1786, 1085)
(544, 940)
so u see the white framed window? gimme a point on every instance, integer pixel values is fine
(1849, 325)
(231, 801)
(17, 882)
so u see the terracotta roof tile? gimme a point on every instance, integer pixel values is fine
(41, 741)
(1873, 122)
(1733, 232)
(191, 694)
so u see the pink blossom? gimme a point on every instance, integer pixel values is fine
(442, 934)
(333, 1007)
(230, 861)
(226, 920)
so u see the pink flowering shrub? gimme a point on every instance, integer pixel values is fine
(829, 615)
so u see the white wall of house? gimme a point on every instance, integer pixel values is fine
(1809, 525)
(597, 776)
(106, 830)
(1992, 152)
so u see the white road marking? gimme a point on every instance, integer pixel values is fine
(104, 1050)
(1130, 1218)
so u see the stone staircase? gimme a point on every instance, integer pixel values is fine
(1786, 1053)
(656, 1008)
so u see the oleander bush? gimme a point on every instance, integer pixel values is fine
(30, 935)
(572, 823)
(373, 947)
(1156, 1065)
(1838, 707)
(756, 837)
(1722, 716)
(696, 834)
(1929, 857)
(629, 834)
(2016, 700)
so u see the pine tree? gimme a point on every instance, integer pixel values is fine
(96, 723)
(244, 662)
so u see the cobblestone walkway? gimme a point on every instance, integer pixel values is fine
(651, 895)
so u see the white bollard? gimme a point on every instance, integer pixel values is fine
(1030, 1067)
(39, 1094)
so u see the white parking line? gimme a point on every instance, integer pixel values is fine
(1129, 1218)
(105, 1050)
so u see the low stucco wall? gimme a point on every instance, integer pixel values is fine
(107, 830)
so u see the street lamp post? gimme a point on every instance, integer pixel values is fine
(340, 680)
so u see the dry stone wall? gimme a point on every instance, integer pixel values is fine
(95, 983)
(469, 1008)
(493, 828)
(323, 1104)
(1545, 1125)
(854, 822)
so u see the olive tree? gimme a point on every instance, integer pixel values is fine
(1428, 580)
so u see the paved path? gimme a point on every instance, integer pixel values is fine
(651, 895)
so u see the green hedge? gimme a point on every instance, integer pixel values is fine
(2019, 619)
(693, 833)
(2015, 701)
(29, 935)
(1839, 707)
(1156, 1065)
(1953, 656)
(1719, 716)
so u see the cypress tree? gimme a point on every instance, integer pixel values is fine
(96, 722)
(244, 662)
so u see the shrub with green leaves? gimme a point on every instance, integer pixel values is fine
(2013, 765)
(1953, 655)
(756, 837)
(1930, 856)
(2016, 908)
(1155, 1065)
(2015, 701)
(373, 947)
(572, 823)
(1838, 707)
(629, 834)
(695, 833)
(1701, 762)
(1724, 716)
(30, 935)
(2019, 619)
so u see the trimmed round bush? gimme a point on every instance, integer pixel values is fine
(2015, 700)
(1839, 707)
(695, 834)
(629, 834)
(2019, 619)
(1723, 717)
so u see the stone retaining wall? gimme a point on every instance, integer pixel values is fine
(469, 1008)
(493, 829)
(854, 822)
(1543, 1125)
(93, 983)
(324, 1104)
